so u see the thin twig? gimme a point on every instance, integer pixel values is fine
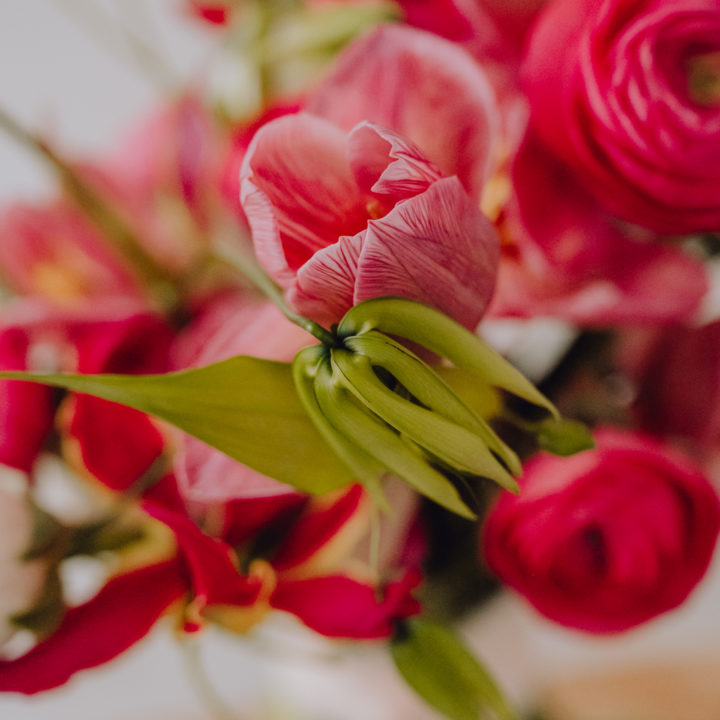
(250, 268)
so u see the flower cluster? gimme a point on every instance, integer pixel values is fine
(254, 333)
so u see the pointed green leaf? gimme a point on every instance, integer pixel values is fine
(244, 406)
(367, 430)
(442, 671)
(564, 437)
(429, 387)
(367, 469)
(459, 448)
(442, 336)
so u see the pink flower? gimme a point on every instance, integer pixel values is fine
(231, 325)
(632, 104)
(54, 252)
(577, 262)
(337, 219)
(425, 89)
(608, 538)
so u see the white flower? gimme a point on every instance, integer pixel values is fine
(20, 582)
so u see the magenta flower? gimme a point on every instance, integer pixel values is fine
(608, 538)
(632, 103)
(337, 219)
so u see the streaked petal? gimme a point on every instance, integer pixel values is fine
(425, 88)
(325, 285)
(385, 164)
(298, 192)
(436, 248)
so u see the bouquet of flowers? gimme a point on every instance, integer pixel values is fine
(398, 302)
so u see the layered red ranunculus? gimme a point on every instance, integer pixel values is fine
(608, 538)
(631, 102)
(339, 218)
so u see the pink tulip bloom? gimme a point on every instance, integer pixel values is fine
(337, 219)
(425, 89)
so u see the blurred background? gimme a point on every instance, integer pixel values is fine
(80, 72)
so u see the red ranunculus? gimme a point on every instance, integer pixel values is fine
(626, 91)
(608, 538)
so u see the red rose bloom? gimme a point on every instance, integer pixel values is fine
(608, 538)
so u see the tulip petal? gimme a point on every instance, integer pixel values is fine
(423, 87)
(325, 285)
(427, 244)
(385, 164)
(91, 634)
(298, 192)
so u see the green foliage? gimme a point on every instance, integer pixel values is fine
(442, 671)
(564, 437)
(246, 407)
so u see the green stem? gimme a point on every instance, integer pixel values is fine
(249, 267)
(201, 682)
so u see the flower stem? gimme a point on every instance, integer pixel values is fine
(249, 267)
(201, 682)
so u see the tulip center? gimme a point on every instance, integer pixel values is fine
(704, 78)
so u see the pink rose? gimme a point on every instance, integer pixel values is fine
(339, 218)
(627, 93)
(608, 538)
(578, 262)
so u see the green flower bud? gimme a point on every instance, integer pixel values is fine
(384, 410)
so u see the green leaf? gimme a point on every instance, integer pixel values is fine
(564, 437)
(461, 449)
(245, 407)
(365, 429)
(428, 386)
(442, 671)
(442, 336)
